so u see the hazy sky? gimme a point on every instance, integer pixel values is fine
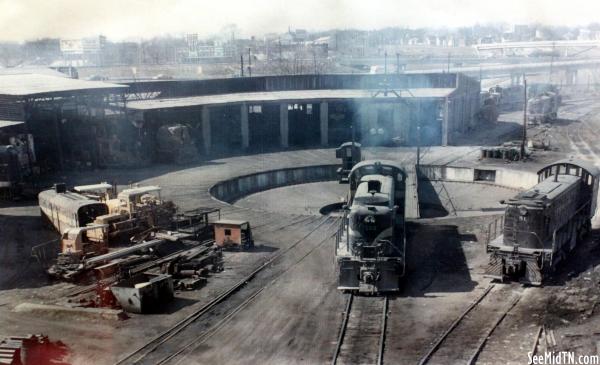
(123, 19)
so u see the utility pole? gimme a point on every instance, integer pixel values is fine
(242, 64)
(397, 62)
(315, 61)
(385, 62)
(524, 119)
(448, 62)
(418, 134)
(552, 61)
(249, 63)
(280, 58)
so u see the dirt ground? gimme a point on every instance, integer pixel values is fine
(295, 310)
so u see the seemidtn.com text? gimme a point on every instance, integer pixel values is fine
(562, 358)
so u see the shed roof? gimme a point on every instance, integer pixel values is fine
(37, 84)
(233, 222)
(282, 96)
(9, 123)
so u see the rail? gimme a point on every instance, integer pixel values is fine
(454, 324)
(478, 347)
(143, 351)
(344, 328)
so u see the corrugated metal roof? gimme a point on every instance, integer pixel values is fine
(34, 84)
(281, 96)
(9, 123)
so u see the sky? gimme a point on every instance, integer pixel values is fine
(134, 19)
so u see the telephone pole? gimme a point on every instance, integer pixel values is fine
(242, 64)
(524, 119)
(249, 63)
(385, 62)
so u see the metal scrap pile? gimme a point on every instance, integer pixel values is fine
(159, 249)
(30, 349)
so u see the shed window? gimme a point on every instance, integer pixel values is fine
(227, 232)
(485, 175)
(255, 109)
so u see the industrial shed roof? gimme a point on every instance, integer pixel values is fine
(37, 84)
(9, 123)
(280, 96)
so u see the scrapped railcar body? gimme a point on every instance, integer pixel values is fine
(543, 224)
(371, 241)
(65, 209)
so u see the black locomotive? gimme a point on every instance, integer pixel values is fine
(371, 241)
(543, 224)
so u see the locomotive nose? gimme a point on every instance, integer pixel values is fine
(369, 277)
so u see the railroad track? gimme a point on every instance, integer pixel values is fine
(140, 354)
(465, 338)
(362, 334)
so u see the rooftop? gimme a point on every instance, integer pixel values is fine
(47, 85)
(9, 123)
(280, 96)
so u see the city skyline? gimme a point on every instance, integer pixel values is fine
(135, 19)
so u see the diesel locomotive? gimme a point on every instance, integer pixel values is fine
(371, 240)
(543, 224)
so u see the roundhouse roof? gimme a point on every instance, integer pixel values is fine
(291, 96)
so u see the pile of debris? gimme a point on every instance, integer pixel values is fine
(30, 350)
(136, 249)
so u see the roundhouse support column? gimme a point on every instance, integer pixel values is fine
(245, 128)
(397, 122)
(324, 115)
(284, 125)
(206, 129)
(445, 126)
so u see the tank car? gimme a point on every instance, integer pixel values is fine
(543, 224)
(371, 241)
(65, 209)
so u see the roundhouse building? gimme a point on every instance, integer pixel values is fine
(274, 112)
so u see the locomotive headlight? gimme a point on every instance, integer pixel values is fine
(369, 219)
(523, 210)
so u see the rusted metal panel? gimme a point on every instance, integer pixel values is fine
(143, 294)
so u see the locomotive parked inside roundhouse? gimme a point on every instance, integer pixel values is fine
(543, 224)
(371, 241)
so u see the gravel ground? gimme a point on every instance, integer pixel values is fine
(295, 318)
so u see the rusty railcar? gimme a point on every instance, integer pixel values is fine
(65, 209)
(371, 241)
(544, 224)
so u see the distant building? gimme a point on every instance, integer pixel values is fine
(83, 51)
(199, 51)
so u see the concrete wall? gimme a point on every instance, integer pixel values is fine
(236, 188)
(231, 190)
(504, 177)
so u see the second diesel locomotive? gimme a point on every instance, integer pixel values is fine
(543, 224)
(371, 241)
